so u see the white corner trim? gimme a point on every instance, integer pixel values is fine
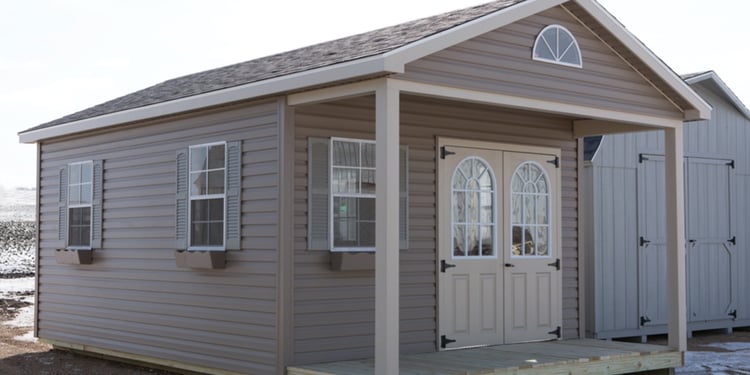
(703, 110)
(726, 91)
(573, 110)
(437, 42)
(338, 72)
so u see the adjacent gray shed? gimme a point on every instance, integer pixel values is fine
(624, 202)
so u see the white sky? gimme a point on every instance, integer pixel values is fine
(58, 57)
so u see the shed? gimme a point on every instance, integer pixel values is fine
(226, 221)
(624, 200)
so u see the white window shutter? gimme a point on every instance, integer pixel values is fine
(62, 224)
(318, 206)
(181, 200)
(96, 205)
(403, 209)
(233, 234)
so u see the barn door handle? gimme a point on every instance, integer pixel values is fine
(692, 242)
(444, 266)
(644, 242)
(555, 264)
(509, 265)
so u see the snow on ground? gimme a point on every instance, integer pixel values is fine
(17, 232)
(733, 362)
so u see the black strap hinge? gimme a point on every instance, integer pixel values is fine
(643, 242)
(557, 332)
(555, 264)
(444, 265)
(641, 158)
(733, 314)
(733, 240)
(731, 164)
(444, 341)
(444, 152)
(644, 320)
(555, 161)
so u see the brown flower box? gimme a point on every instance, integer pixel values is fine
(200, 259)
(74, 256)
(364, 261)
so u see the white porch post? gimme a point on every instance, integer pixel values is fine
(386, 229)
(675, 188)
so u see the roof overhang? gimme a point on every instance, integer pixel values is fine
(379, 65)
(724, 90)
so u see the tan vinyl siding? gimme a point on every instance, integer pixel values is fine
(133, 298)
(500, 61)
(334, 311)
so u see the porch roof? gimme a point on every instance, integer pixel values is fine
(377, 53)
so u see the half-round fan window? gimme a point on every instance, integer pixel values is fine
(557, 45)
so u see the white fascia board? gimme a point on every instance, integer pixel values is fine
(726, 91)
(538, 105)
(339, 72)
(482, 25)
(702, 109)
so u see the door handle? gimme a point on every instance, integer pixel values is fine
(692, 242)
(509, 265)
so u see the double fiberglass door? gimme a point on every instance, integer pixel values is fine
(499, 248)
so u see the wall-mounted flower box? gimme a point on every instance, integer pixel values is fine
(74, 256)
(200, 259)
(364, 261)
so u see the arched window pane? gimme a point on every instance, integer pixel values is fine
(530, 210)
(555, 44)
(473, 209)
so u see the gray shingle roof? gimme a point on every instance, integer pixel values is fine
(307, 58)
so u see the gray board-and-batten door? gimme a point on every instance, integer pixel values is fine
(711, 254)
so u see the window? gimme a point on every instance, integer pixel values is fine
(80, 199)
(353, 194)
(207, 193)
(80, 206)
(555, 44)
(341, 195)
(208, 196)
(473, 209)
(530, 211)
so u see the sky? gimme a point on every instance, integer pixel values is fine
(59, 57)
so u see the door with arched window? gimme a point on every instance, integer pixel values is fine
(498, 245)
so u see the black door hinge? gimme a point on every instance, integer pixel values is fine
(444, 266)
(555, 264)
(733, 240)
(731, 164)
(733, 314)
(444, 341)
(644, 320)
(643, 242)
(444, 152)
(641, 158)
(555, 161)
(557, 332)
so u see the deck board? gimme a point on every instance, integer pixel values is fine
(551, 357)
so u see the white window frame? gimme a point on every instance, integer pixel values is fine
(192, 198)
(90, 205)
(550, 214)
(332, 195)
(557, 54)
(495, 213)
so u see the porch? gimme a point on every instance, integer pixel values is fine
(580, 356)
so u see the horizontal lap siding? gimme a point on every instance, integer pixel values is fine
(500, 61)
(334, 311)
(132, 298)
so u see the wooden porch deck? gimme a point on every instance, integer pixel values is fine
(584, 356)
